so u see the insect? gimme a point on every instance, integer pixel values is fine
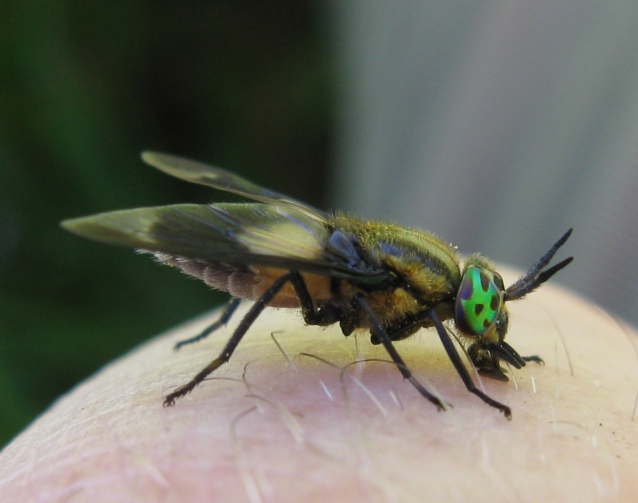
(280, 252)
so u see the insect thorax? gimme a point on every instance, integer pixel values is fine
(425, 269)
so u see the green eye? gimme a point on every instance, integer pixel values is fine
(478, 301)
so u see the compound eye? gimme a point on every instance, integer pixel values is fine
(478, 302)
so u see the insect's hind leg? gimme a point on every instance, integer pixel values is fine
(227, 313)
(326, 315)
(383, 336)
(234, 340)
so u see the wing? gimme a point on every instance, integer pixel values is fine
(239, 234)
(203, 174)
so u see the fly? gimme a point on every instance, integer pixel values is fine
(364, 275)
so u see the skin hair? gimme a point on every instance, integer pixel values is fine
(280, 425)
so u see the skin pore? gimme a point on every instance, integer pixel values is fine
(301, 419)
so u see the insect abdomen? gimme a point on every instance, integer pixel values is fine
(248, 283)
(237, 282)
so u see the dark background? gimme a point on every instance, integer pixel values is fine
(84, 88)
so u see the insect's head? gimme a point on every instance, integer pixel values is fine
(482, 317)
(479, 299)
(480, 313)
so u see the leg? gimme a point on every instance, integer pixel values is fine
(407, 327)
(503, 351)
(382, 335)
(324, 316)
(234, 340)
(227, 313)
(327, 315)
(461, 370)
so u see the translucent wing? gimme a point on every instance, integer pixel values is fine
(242, 234)
(203, 174)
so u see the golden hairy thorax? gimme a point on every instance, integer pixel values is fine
(428, 266)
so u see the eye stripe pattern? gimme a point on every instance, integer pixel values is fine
(478, 302)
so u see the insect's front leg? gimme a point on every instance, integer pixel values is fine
(382, 335)
(460, 368)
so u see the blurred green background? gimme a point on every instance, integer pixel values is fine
(84, 88)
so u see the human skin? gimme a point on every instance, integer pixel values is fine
(267, 429)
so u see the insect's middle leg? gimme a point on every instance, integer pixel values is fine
(382, 335)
